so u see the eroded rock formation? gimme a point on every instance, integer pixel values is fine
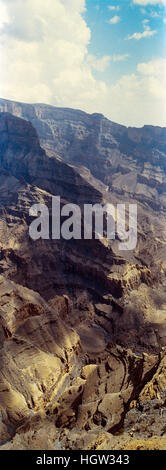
(82, 325)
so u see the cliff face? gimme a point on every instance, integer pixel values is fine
(70, 310)
(21, 154)
(131, 161)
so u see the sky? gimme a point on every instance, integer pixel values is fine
(96, 55)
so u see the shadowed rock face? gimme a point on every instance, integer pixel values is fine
(31, 162)
(70, 311)
(130, 161)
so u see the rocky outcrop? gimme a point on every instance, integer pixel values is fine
(49, 373)
(130, 161)
(77, 316)
(31, 163)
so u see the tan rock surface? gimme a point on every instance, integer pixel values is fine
(81, 324)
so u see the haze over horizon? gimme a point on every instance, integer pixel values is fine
(103, 57)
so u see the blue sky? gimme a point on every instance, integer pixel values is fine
(96, 55)
(111, 38)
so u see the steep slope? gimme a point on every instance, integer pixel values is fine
(114, 283)
(131, 161)
(69, 310)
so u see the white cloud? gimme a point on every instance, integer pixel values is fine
(114, 7)
(119, 57)
(102, 64)
(153, 68)
(35, 58)
(4, 18)
(154, 14)
(98, 64)
(145, 34)
(146, 26)
(114, 20)
(145, 22)
(164, 20)
(149, 2)
(141, 97)
(53, 65)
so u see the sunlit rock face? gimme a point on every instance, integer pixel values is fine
(131, 161)
(82, 325)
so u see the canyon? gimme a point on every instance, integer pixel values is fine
(83, 325)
